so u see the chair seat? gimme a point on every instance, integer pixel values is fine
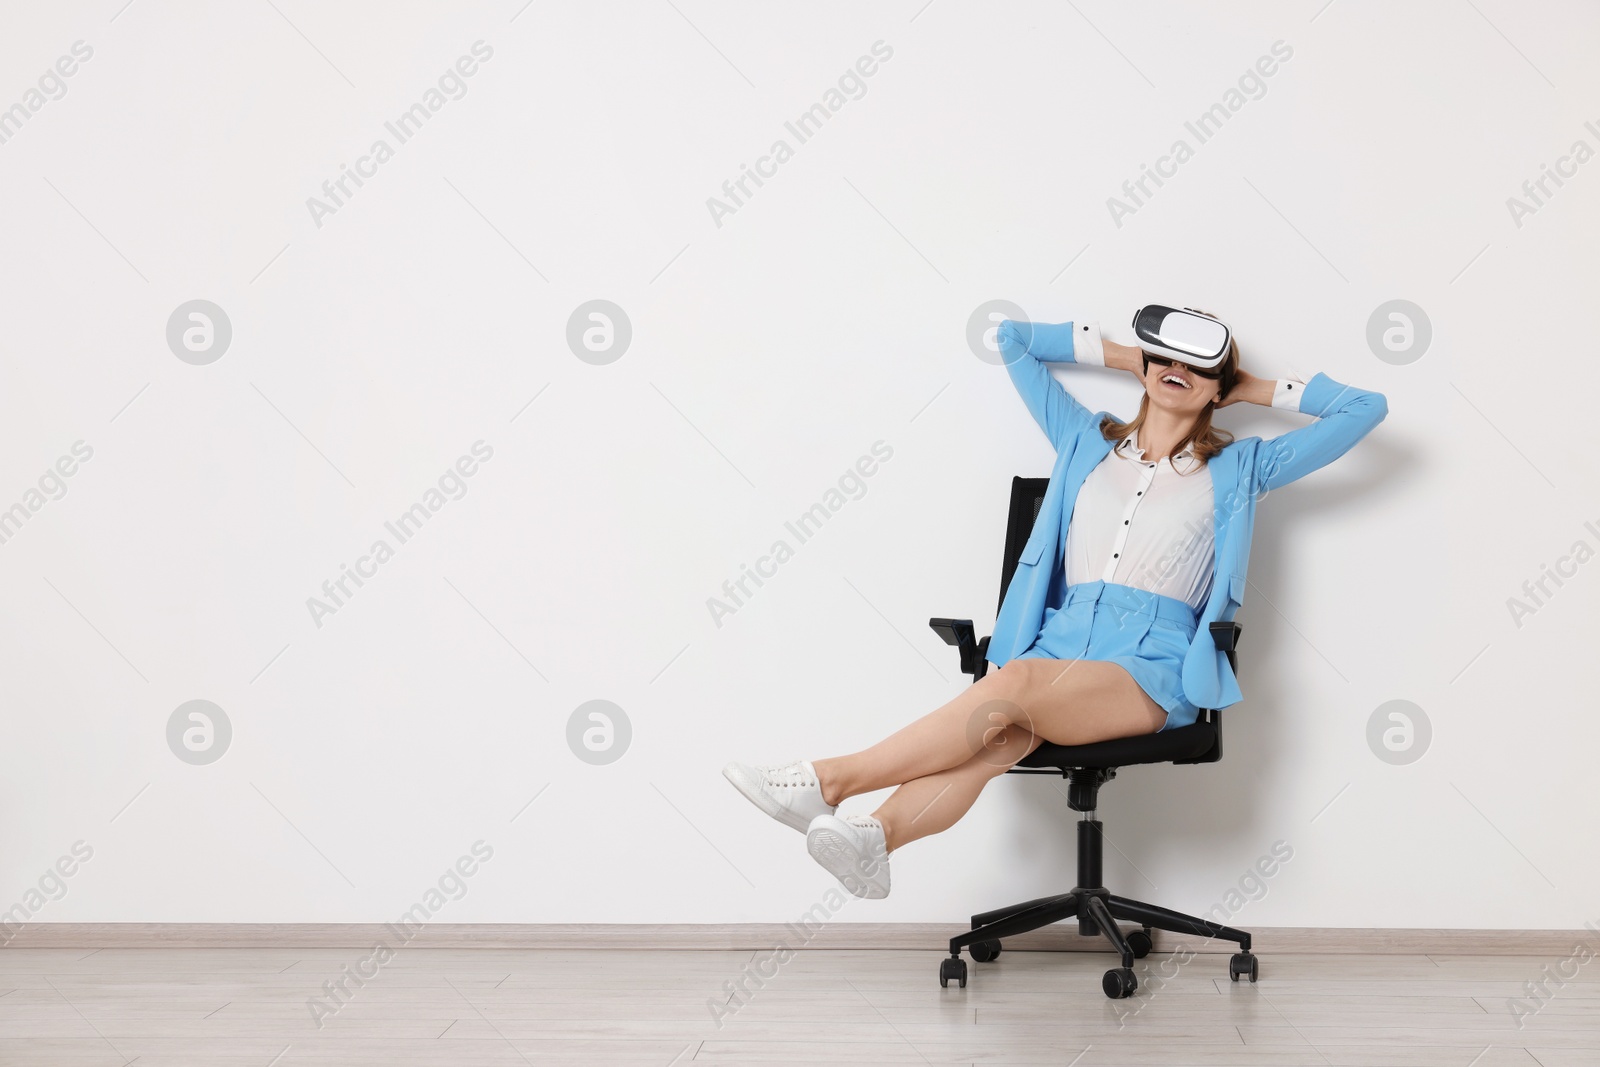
(1186, 742)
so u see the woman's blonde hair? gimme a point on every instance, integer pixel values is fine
(1205, 439)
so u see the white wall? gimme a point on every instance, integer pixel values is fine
(769, 352)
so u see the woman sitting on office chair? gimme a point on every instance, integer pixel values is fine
(1107, 637)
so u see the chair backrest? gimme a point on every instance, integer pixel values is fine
(1027, 496)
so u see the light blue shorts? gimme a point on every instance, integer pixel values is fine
(1146, 633)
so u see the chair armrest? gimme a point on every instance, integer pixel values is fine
(1225, 635)
(974, 653)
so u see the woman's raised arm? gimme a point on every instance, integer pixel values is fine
(1344, 413)
(1027, 346)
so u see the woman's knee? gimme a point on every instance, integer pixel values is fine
(1017, 685)
(1009, 682)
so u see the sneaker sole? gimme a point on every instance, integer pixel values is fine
(752, 791)
(839, 856)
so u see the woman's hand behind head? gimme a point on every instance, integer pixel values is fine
(1245, 388)
(1124, 357)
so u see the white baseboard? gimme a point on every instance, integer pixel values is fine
(753, 936)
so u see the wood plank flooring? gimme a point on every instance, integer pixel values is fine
(187, 1007)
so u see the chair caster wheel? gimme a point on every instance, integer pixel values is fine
(1141, 944)
(1119, 983)
(953, 968)
(985, 951)
(1244, 963)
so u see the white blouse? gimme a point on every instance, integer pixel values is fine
(1148, 525)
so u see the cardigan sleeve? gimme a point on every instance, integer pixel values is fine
(1026, 347)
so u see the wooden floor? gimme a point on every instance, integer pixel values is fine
(224, 1007)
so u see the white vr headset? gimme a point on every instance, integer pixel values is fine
(1185, 335)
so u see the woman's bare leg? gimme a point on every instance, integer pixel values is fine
(1069, 702)
(935, 802)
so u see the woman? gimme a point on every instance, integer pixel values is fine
(1107, 636)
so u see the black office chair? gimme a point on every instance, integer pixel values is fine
(1087, 767)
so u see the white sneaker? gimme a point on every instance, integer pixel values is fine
(791, 793)
(852, 849)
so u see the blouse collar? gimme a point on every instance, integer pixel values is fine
(1184, 462)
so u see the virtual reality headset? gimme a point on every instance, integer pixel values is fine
(1182, 334)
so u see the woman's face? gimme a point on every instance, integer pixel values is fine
(1179, 389)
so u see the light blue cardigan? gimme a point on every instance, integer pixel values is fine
(1241, 473)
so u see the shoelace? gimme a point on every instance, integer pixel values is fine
(791, 776)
